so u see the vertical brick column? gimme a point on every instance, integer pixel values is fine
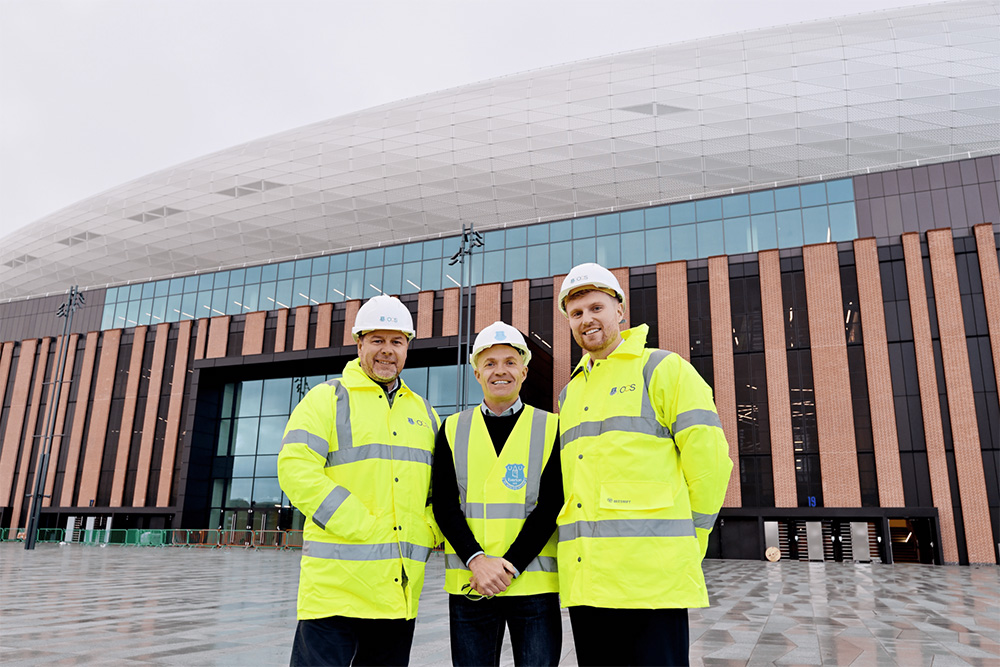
(350, 314)
(520, 312)
(561, 338)
(280, 331)
(672, 320)
(622, 276)
(253, 333)
(128, 417)
(324, 325)
(425, 314)
(300, 332)
(201, 340)
(986, 248)
(838, 450)
(930, 405)
(488, 306)
(218, 337)
(153, 410)
(57, 438)
(68, 494)
(725, 373)
(449, 324)
(177, 381)
(961, 401)
(15, 417)
(6, 355)
(28, 453)
(93, 451)
(883, 410)
(779, 408)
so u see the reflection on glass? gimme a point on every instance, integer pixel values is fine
(657, 246)
(243, 466)
(737, 232)
(816, 225)
(710, 239)
(266, 491)
(684, 242)
(789, 228)
(765, 235)
(245, 438)
(248, 398)
(239, 492)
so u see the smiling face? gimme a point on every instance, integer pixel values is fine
(382, 354)
(500, 370)
(594, 318)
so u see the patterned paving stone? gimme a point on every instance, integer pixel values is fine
(160, 606)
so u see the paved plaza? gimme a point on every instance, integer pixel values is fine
(171, 606)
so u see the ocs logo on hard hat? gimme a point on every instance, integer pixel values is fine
(391, 320)
(578, 279)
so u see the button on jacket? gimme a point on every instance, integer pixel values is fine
(645, 469)
(497, 493)
(359, 470)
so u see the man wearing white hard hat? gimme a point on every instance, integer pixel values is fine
(356, 460)
(497, 491)
(645, 467)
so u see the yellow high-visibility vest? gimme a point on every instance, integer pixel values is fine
(497, 493)
(645, 467)
(360, 472)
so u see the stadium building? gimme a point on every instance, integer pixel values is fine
(808, 213)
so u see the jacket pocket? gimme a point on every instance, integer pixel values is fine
(636, 495)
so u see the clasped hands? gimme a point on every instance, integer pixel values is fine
(490, 576)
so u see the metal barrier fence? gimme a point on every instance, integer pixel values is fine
(142, 537)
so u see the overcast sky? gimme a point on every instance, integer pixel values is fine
(96, 93)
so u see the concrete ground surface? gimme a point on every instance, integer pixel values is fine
(75, 604)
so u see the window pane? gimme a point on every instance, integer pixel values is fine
(735, 206)
(584, 250)
(493, 241)
(266, 299)
(560, 231)
(108, 318)
(681, 214)
(413, 252)
(657, 217)
(220, 301)
(356, 260)
(737, 235)
(203, 307)
(355, 284)
(337, 263)
(684, 242)
(710, 239)
(843, 225)
(840, 191)
(373, 282)
(493, 267)
(268, 273)
(789, 228)
(234, 300)
(189, 305)
(317, 288)
(336, 282)
(431, 273)
(538, 261)
(162, 287)
(813, 194)
(266, 491)
(411, 277)
(250, 294)
(608, 252)
(657, 246)
(762, 202)
(516, 268)
(538, 234)
(177, 284)
(206, 282)
(583, 228)
(243, 466)
(632, 221)
(816, 225)
(765, 236)
(267, 466)
(375, 257)
(633, 252)
(190, 285)
(435, 248)
(159, 312)
(246, 435)
(786, 198)
(276, 396)
(248, 398)
(560, 257)
(320, 266)
(303, 267)
(517, 236)
(391, 278)
(147, 290)
(283, 294)
(608, 224)
(708, 209)
(393, 255)
(239, 492)
(271, 430)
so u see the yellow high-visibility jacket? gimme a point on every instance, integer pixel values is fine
(497, 493)
(645, 467)
(360, 472)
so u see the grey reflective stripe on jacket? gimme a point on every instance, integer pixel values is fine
(383, 551)
(646, 423)
(319, 444)
(330, 504)
(378, 451)
(537, 564)
(536, 454)
(627, 528)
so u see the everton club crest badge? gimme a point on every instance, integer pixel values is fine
(515, 479)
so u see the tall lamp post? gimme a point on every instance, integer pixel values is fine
(471, 240)
(66, 310)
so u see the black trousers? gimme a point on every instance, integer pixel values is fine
(342, 641)
(623, 637)
(478, 626)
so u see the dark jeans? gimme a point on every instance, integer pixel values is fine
(477, 629)
(629, 636)
(341, 640)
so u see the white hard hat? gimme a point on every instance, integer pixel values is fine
(589, 274)
(499, 333)
(383, 312)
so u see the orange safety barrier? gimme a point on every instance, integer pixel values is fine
(238, 538)
(205, 539)
(269, 539)
(293, 539)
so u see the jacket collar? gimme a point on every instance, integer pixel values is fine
(632, 345)
(356, 378)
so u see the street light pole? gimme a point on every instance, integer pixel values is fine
(471, 240)
(66, 310)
